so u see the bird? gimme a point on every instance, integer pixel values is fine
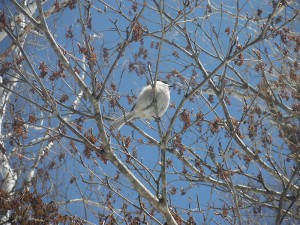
(146, 104)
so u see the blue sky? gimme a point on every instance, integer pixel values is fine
(105, 35)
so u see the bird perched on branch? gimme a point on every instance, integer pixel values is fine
(151, 103)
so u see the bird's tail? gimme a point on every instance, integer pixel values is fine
(119, 122)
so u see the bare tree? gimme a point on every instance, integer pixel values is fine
(226, 152)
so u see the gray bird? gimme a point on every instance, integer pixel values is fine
(145, 106)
